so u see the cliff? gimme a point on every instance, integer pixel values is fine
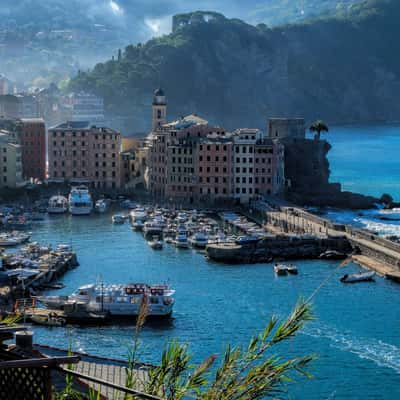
(307, 173)
(342, 69)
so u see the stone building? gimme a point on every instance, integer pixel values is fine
(282, 128)
(81, 153)
(10, 161)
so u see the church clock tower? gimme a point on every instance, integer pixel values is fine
(159, 110)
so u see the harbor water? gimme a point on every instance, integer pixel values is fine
(355, 333)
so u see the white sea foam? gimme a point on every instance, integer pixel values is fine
(369, 219)
(381, 353)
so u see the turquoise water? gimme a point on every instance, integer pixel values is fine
(355, 334)
(365, 159)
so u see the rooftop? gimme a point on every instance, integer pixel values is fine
(186, 122)
(82, 126)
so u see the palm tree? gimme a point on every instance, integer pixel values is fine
(318, 127)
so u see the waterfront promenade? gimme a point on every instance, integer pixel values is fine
(378, 253)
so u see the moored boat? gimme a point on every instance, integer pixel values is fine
(117, 300)
(13, 239)
(101, 206)
(155, 243)
(48, 320)
(181, 240)
(80, 201)
(355, 278)
(199, 240)
(57, 205)
(118, 219)
(280, 270)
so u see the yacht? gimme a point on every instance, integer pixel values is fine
(153, 228)
(57, 205)
(138, 214)
(80, 201)
(117, 300)
(199, 240)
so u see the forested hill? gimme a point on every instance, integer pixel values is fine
(343, 69)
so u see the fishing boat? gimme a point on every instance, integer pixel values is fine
(121, 300)
(155, 243)
(118, 219)
(360, 277)
(280, 270)
(101, 206)
(80, 201)
(199, 240)
(57, 205)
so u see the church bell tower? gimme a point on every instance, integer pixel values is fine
(159, 110)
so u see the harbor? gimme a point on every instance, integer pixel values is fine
(116, 253)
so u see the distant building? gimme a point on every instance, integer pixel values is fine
(10, 162)
(28, 106)
(82, 153)
(32, 138)
(86, 107)
(9, 106)
(6, 86)
(282, 128)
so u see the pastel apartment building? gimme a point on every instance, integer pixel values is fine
(81, 153)
(10, 162)
(190, 160)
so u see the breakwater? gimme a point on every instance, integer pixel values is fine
(296, 220)
(277, 247)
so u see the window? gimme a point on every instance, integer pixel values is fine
(237, 179)
(237, 159)
(244, 190)
(244, 160)
(237, 190)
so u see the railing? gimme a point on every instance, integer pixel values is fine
(102, 382)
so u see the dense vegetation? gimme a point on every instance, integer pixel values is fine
(340, 69)
(36, 47)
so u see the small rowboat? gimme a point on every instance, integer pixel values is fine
(355, 278)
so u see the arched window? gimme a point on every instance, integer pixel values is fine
(159, 114)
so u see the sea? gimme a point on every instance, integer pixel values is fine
(354, 336)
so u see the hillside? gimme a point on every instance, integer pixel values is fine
(48, 40)
(340, 69)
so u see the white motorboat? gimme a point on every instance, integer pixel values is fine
(137, 225)
(181, 240)
(80, 201)
(280, 269)
(355, 278)
(117, 300)
(57, 205)
(199, 240)
(118, 219)
(101, 206)
(13, 239)
(153, 227)
(156, 243)
(138, 214)
(390, 215)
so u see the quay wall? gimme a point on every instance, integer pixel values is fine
(277, 248)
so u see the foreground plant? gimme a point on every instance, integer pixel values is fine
(243, 374)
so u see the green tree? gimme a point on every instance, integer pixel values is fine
(318, 127)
